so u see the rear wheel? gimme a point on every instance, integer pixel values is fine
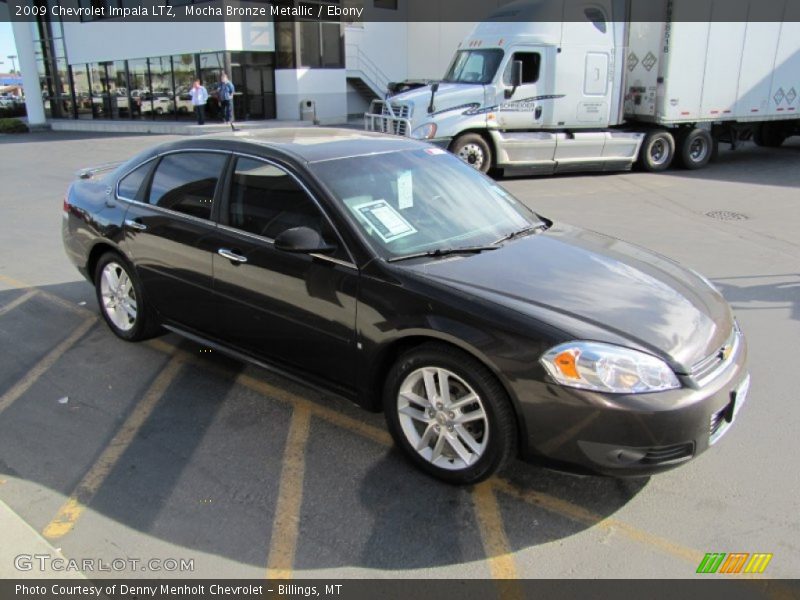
(657, 151)
(769, 135)
(473, 150)
(121, 300)
(449, 414)
(695, 148)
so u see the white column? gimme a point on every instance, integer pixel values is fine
(26, 57)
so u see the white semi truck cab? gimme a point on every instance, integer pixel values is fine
(603, 91)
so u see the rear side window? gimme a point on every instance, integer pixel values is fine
(130, 185)
(186, 182)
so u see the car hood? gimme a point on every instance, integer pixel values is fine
(590, 285)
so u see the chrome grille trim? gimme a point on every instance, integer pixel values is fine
(388, 117)
(705, 370)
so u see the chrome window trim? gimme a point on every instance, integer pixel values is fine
(351, 264)
(124, 175)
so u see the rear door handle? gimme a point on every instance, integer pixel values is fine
(135, 225)
(232, 256)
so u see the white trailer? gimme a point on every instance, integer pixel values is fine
(628, 81)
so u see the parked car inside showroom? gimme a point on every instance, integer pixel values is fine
(389, 272)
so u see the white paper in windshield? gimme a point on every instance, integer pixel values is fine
(405, 191)
(385, 220)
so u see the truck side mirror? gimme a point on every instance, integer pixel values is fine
(516, 78)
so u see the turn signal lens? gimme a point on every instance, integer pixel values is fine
(565, 361)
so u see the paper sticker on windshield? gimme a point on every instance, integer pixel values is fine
(385, 220)
(405, 192)
(434, 151)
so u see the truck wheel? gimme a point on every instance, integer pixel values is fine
(657, 152)
(473, 150)
(769, 135)
(695, 148)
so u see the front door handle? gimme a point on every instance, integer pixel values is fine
(135, 225)
(232, 256)
(537, 113)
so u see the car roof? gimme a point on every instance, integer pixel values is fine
(308, 144)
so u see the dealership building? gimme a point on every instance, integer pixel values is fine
(116, 69)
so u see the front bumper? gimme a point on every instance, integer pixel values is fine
(634, 435)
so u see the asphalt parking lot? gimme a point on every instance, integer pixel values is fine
(164, 450)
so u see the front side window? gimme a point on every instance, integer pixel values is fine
(421, 201)
(474, 66)
(186, 182)
(530, 67)
(266, 201)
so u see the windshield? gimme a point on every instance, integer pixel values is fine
(474, 66)
(422, 201)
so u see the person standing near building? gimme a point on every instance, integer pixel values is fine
(225, 91)
(199, 96)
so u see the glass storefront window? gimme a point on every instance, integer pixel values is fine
(97, 83)
(121, 98)
(184, 73)
(139, 80)
(83, 96)
(161, 87)
(212, 65)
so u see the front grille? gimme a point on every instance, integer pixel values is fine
(664, 454)
(718, 421)
(389, 117)
(708, 367)
(393, 109)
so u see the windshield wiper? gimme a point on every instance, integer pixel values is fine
(445, 252)
(523, 231)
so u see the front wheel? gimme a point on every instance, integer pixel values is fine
(473, 150)
(121, 300)
(658, 151)
(449, 414)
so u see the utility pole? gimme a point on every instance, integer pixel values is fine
(13, 59)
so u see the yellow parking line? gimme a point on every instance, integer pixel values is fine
(24, 384)
(286, 523)
(16, 283)
(17, 301)
(493, 534)
(553, 504)
(587, 517)
(75, 505)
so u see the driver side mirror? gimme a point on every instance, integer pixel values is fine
(516, 78)
(302, 240)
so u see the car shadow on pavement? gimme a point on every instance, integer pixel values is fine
(193, 454)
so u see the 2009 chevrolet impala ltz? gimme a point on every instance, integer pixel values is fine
(390, 272)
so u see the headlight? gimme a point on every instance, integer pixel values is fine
(424, 132)
(607, 368)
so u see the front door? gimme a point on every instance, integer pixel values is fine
(297, 310)
(169, 233)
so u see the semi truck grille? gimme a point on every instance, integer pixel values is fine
(388, 117)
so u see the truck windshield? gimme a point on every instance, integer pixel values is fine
(422, 201)
(474, 66)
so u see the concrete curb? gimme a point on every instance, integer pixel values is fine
(21, 540)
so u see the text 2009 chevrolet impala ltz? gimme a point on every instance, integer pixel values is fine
(390, 272)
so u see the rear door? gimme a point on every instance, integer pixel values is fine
(169, 231)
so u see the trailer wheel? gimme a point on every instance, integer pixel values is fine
(769, 135)
(695, 148)
(473, 150)
(657, 152)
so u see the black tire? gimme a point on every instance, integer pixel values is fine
(657, 151)
(769, 135)
(143, 325)
(473, 150)
(497, 432)
(695, 148)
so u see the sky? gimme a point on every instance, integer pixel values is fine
(7, 46)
